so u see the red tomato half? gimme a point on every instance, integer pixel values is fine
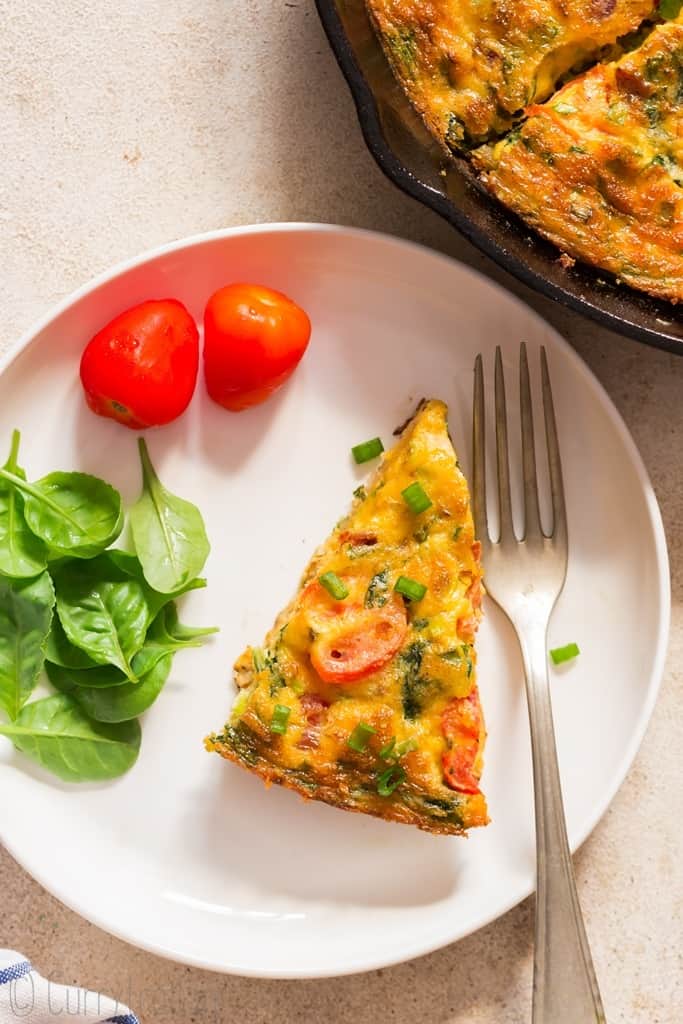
(352, 641)
(141, 369)
(254, 338)
(461, 724)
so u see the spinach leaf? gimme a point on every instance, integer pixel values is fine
(165, 636)
(377, 593)
(73, 513)
(168, 533)
(112, 703)
(415, 687)
(25, 616)
(161, 641)
(60, 651)
(22, 554)
(99, 677)
(122, 565)
(55, 733)
(277, 679)
(104, 616)
(418, 694)
(402, 47)
(185, 635)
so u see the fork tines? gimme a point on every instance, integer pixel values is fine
(533, 529)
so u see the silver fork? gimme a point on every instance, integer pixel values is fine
(525, 577)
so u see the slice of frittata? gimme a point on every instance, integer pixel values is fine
(599, 168)
(471, 66)
(364, 693)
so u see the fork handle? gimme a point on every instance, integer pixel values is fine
(565, 986)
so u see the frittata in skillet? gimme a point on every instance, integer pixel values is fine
(471, 66)
(599, 169)
(364, 693)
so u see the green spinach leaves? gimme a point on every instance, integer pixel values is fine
(105, 618)
(102, 622)
(25, 618)
(60, 737)
(168, 532)
(22, 554)
(74, 514)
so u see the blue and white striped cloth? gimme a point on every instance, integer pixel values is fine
(27, 997)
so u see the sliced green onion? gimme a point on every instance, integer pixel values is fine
(360, 493)
(334, 586)
(258, 659)
(406, 747)
(387, 751)
(566, 653)
(392, 751)
(359, 738)
(411, 589)
(390, 779)
(457, 531)
(416, 498)
(367, 450)
(278, 722)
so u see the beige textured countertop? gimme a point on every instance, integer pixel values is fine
(127, 125)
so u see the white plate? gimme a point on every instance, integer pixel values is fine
(192, 858)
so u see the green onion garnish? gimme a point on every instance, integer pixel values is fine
(406, 747)
(278, 722)
(334, 586)
(387, 751)
(358, 740)
(367, 450)
(411, 589)
(457, 531)
(566, 653)
(390, 779)
(258, 659)
(416, 498)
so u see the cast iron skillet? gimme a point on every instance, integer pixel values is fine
(409, 156)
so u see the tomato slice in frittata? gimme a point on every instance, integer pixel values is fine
(364, 693)
(471, 66)
(599, 168)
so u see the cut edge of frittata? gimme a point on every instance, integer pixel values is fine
(384, 743)
(598, 169)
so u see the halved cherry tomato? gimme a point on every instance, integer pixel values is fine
(254, 338)
(352, 641)
(457, 769)
(141, 369)
(467, 627)
(461, 724)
